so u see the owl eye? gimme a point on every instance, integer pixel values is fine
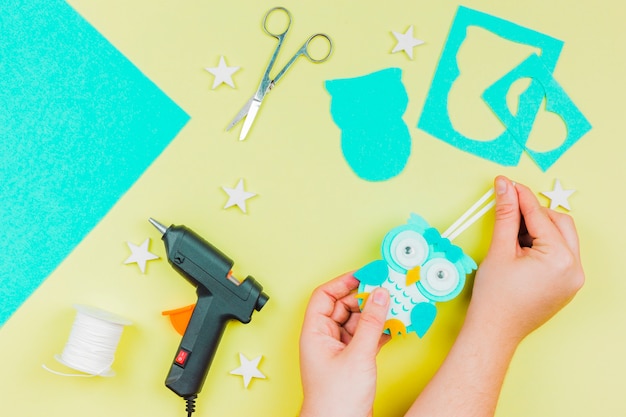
(409, 249)
(440, 278)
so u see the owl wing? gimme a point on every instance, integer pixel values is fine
(374, 273)
(422, 317)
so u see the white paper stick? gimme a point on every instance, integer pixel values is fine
(472, 220)
(463, 222)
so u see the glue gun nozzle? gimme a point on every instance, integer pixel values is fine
(158, 225)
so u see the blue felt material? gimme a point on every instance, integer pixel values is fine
(557, 101)
(374, 273)
(419, 222)
(422, 317)
(375, 141)
(79, 124)
(507, 148)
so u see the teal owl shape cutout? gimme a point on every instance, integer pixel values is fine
(375, 141)
(419, 268)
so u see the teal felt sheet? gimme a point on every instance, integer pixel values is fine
(557, 101)
(507, 148)
(79, 124)
(368, 109)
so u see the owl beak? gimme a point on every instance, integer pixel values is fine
(412, 276)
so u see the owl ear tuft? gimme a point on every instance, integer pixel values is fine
(468, 263)
(330, 86)
(417, 220)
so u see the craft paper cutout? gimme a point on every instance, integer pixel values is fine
(558, 196)
(249, 369)
(223, 74)
(140, 255)
(406, 42)
(79, 124)
(375, 141)
(419, 267)
(237, 196)
(506, 149)
(557, 102)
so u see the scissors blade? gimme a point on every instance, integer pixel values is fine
(252, 111)
(242, 113)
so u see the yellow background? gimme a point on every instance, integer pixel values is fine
(313, 218)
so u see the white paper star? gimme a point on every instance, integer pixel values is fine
(237, 196)
(406, 42)
(223, 73)
(249, 369)
(140, 255)
(558, 196)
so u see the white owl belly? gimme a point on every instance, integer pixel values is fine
(402, 298)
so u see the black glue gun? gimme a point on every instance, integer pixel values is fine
(221, 297)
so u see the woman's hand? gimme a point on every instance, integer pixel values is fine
(338, 348)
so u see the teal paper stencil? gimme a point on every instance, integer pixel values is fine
(506, 149)
(79, 125)
(375, 141)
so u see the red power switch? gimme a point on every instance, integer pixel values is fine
(181, 358)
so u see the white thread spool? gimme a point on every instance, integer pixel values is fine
(92, 342)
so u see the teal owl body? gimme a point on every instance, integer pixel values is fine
(419, 268)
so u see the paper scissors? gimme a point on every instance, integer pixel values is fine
(251, 108)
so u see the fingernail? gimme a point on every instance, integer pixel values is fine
(501, 186)
(380, 297)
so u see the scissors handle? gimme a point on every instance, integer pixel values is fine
(277, 35)
(266, 82)
(305, 48)
(304, 51)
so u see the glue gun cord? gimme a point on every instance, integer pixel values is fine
(191, 404)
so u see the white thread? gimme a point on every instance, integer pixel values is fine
(459, 226)
(92, 342)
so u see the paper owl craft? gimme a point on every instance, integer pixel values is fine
(419, 268)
